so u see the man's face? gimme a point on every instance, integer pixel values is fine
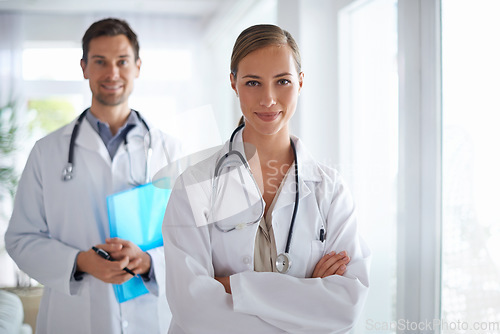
(111, 69)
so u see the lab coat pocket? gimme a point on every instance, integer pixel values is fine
(70, 311)
(317, 252)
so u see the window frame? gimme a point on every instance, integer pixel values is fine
(419, 205)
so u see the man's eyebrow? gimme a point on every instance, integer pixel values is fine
(102, 57)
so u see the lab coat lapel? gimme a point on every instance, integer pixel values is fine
(88, 139)
(308, 172)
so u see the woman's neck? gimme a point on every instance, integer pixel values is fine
(270, 147)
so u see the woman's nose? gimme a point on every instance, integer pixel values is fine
(268, 98)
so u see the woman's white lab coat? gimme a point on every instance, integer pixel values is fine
(54, 219)
(264, 302)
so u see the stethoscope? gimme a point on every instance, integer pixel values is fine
(283, 260)
(67, 173)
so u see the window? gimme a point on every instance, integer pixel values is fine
(47, 61)
(369, 141)
(471, 165)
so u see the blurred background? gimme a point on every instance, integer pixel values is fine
(400, 95)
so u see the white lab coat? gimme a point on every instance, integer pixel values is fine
(54, 219)
(264, 302)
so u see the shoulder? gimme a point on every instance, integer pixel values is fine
(54, 140)
(323, 178)
(202, 164)
(311, 169)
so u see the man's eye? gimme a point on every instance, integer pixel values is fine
(123, 62)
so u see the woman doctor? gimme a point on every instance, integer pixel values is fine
(300, 266)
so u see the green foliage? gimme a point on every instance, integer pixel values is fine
(8, 137)
(51, 114)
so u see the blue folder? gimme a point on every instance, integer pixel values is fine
(137, 215)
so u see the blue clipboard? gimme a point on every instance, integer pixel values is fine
(137, 215)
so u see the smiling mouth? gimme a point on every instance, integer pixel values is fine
(268, 116)
(112, 87)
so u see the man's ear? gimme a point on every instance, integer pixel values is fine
(83, 65)
(138, 63)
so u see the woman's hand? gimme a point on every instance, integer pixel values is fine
(331, 264)
(225, 281)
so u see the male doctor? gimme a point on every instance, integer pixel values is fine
(58, 219)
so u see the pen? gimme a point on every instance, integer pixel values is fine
(105, 255)
(322, 235)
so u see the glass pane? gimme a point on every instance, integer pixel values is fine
(52, 63)
(166, 65)
(471, 165)
(369, 143)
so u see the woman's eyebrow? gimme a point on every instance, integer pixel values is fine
(284, 74)
(253, 76)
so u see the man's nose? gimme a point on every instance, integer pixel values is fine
(112, 72)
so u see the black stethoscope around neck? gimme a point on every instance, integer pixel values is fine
(67, 173)
(283, 260)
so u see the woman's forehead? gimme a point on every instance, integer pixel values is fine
(270, 60)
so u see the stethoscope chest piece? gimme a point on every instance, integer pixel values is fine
(68, 172)
(283, 263)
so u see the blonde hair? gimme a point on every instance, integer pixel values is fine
(259, 36)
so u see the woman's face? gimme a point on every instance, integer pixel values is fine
(268, 86)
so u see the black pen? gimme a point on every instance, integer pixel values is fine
(105, 255)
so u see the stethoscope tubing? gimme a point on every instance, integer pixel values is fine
(296, 205)
(297, 195)
(68, 170)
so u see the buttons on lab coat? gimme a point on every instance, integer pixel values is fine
(247, 260)
(124, 323)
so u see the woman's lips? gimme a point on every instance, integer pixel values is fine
(268, 116)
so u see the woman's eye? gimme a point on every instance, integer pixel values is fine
(252, 83)
(283, 81)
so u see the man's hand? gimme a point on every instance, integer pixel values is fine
(140, 262)
(124, 254)
(105, 270)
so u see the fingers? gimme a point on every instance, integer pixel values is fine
(117, 241)
(108, 271)
(225, 281)
(124, 254)
(135, 265)
(121, 248)
(338, 268)
(320, 263)
(110, 247)
(331, 264)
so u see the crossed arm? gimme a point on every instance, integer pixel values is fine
(330, 264)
